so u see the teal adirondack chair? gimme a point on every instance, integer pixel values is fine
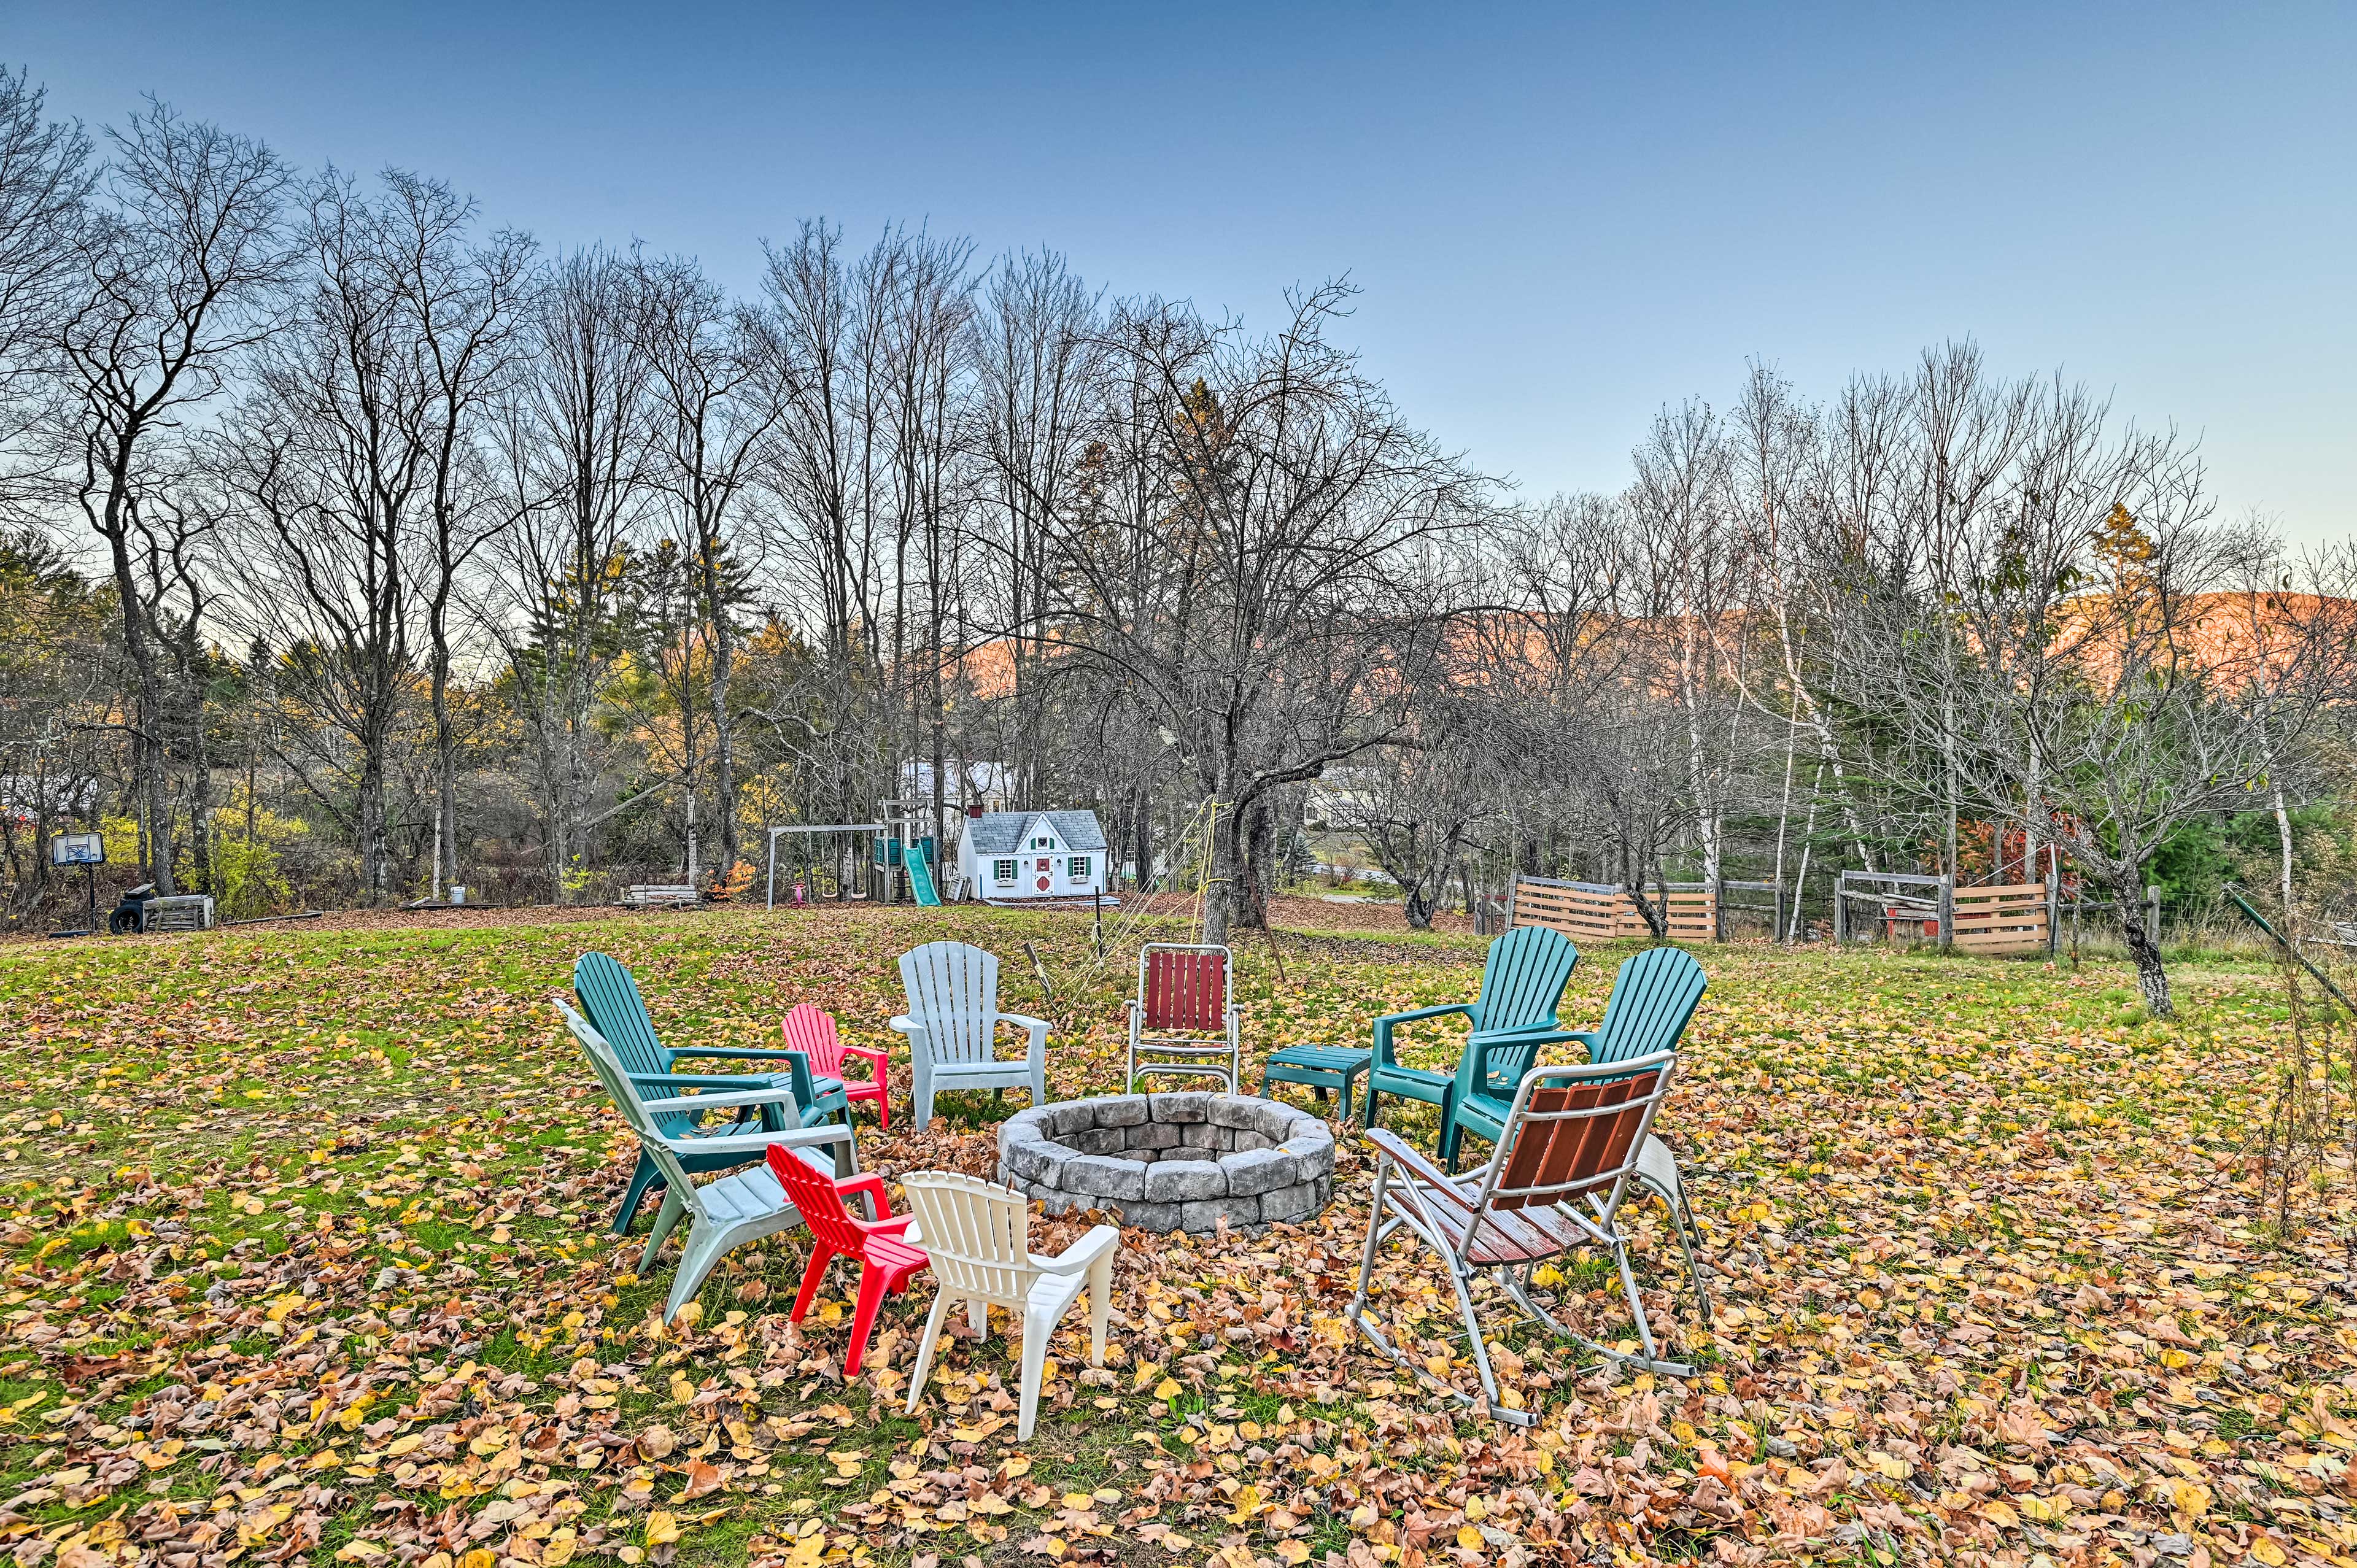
(1653, 996)
(727, 1212)
(1522, 988)
(611, 997)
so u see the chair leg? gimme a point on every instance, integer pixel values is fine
(645, 1177)
(978, 1316)
(1100, 1306)
(933, 1320)
(820, 1256)
(1682, 1215)
(1036, 1332)
(703, 1250)
(667, 1219)
(872, 1281)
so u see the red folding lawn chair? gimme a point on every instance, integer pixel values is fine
(1183, 1021)
(1565, 1159)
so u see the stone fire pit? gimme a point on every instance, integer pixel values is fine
(1173, 1161)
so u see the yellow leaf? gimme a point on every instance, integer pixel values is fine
(481, 1557)
(1294, 1552)
(1167, 1389)
(662, 1528)
(1997, 1513)
(1469, 1538)
(2268, 1552)
(1079, 1502)
(2193, 1501)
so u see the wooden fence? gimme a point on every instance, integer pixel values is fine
(1597, 912)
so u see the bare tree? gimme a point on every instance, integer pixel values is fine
(332, 461)
(178, 271)
(717, 399)
(46, 176)
(575, 460)
(463, 303)
(1250, 557)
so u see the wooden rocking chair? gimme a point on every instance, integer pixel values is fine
(1565, 1160)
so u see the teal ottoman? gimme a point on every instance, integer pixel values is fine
(1320, 1067)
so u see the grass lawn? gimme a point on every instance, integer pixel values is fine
(307, 1258)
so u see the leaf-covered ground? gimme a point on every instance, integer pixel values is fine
(306, 1257)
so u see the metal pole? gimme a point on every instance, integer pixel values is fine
(2053, 904)
(774, 866)
(1841, 908)
(1947, 911)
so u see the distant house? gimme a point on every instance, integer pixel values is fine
(1005, 856)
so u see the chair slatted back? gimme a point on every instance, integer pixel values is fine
(1524, 981)
(1574, 1131)
(953, 994)
(810, 1029)
(618, 1088)
(1653, 998)
(814, 1197)
(1183, 986)
(611, 997)
(977, 1234)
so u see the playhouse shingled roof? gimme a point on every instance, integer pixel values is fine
(1001, 833)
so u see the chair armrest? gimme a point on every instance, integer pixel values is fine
(1422, 1171)
(754, 1143)
(696, 1081)
(735, 1101)
(729, 1053)
(1442, 1011)
(1476, 1061)
(875, 1055)
(1080, 1253)
(906, 1024)
(1383, 1026)
(1025, 1021)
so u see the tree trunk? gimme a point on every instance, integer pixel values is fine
(2283, 841)
(446, 761)
(2152, 980)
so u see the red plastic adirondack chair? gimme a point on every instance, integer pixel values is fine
(886, 1261)
(1181, 1021)
(1565, 1160)
(810, 1028)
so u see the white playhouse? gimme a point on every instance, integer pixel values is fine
(1005, 856)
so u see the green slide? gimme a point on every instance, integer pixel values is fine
(921, 881)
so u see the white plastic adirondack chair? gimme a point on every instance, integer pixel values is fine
(726, 1213)
(953, 1026)
(978, 1237)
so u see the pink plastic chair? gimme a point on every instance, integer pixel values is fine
(810, 1028)
(886, 1261)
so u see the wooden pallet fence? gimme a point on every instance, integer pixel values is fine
(1597, 912)
(2009, 919)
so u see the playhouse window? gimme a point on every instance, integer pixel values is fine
(1003, 870)
(1077, 868)
(1043, 843)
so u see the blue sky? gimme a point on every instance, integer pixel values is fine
(1562, 217)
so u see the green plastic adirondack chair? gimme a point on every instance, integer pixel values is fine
(733, 1209)
(1522, 988)
(1653, 996)
(611, 997)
